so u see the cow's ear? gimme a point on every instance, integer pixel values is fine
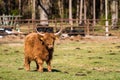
(40, 37)
(56, 37)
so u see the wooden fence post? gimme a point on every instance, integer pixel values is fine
(87, 29)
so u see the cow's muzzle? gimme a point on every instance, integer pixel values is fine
(50, 46)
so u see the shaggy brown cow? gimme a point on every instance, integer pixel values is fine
(39, 48)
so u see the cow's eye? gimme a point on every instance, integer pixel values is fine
(54, 38)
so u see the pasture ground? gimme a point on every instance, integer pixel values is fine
(75, 58)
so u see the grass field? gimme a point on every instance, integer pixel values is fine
(73, 60)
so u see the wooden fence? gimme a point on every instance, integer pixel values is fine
(87, 28)
(9, 20)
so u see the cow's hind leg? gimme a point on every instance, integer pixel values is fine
(49, 65)
(37, 66)
(27, 64)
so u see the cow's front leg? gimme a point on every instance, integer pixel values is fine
(40, 65)
(49, 65)
(27, 64)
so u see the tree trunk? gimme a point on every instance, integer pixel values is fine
(81, 7)
(20, 7)
(60, 6)
(114, 10)
(106, 17)
(101, 8)
(70, 13)
(33, 10)
(94, 12)
(43, 10)
(85, 11)
(77, 13)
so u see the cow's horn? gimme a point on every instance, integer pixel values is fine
(58, 32)
(42, 34)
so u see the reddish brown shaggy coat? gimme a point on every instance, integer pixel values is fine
(39, 48)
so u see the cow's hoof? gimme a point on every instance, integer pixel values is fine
(27, 69)
(49, 70)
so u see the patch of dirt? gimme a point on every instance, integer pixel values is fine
(20, 39)
(12, 39)
(96, 39)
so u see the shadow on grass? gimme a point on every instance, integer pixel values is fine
(45, 70)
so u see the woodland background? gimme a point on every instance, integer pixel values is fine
(60, 8)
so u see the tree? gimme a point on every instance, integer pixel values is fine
(85, 11)
(77, 12)
(70, 12)
(81, 12)
(114, 12)
(44, 11)
(101, 8)
(2, 7)
(94, 12)
(33, 10)
(60, 6)
(20, 5)
(106, 17)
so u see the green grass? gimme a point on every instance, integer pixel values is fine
(72, 61)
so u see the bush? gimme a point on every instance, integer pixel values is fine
(14, 12)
